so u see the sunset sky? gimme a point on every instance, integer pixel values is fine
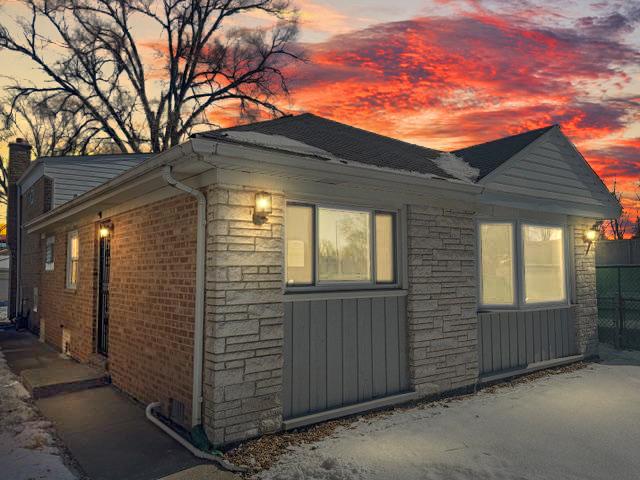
(446, 74)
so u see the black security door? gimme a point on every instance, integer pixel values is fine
(103, 294)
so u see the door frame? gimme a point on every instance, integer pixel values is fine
(105, 232)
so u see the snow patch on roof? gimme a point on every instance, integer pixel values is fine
(279, 142)
(283, 143)
(457, 167)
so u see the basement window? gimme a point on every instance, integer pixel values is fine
(522, 264)
(48, 254)
(73, 255)
(335, 248)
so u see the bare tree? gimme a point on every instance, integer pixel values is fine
(95, 67)
(52, 129)
(4, 187)
(617, 227)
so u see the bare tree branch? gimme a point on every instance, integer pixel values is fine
(96, 66)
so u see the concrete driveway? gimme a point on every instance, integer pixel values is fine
(583, 424)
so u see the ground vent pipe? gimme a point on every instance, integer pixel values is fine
(185, 443)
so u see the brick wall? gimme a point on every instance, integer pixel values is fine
(19, 160)
(585, 294)
(152, 290)
(441, 304)
(62, 308)
(35, 201)
(243, 350)
(152, 301)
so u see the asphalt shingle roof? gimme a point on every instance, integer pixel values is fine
(346, 142)
(488, 156)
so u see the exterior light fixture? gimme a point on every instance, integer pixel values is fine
(262, 208)
(589, 237)
(104, 231)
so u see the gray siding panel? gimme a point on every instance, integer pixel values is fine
(511, 340)
(340, 352)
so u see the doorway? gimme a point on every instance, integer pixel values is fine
(103, 292)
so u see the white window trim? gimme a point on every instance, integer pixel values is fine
(328, 286)
(518, 271)
(49, 266)
(70, 235)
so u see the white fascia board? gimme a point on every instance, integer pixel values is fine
(137, 181)
(248, 159)
(496, 197)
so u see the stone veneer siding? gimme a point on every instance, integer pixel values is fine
(441, 304)
(585, 291)
(244, 317)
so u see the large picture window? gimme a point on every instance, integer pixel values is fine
(534, 273)
(332, 246)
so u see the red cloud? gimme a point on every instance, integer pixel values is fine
(450, 82)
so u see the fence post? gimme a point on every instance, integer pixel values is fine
(620, 316)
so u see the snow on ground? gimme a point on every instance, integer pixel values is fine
(28, 450)
(584, 424)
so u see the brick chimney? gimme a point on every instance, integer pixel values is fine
(19, 159)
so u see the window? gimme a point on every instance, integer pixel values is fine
(48, 254)
(496, 253)
(539, 262)
(73, 254)
(299, 226)
(35, 299)
(543, 262)
(330, 246)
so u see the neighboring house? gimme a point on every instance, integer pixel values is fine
(39, 186)
(281, 273)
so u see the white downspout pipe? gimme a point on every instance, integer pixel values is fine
(182, 441)
(198, 332)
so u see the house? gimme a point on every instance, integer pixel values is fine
(39, 186)
(281, 273)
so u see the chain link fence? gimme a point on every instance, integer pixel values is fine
(619, 305)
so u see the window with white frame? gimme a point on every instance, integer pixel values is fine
(48, 254)
(521, 264)
(335, 246)
(73, 255)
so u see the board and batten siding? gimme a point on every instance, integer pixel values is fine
(552, 170)
(515, 339)
(341, 352)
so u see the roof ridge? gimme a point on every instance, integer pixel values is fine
(508, 137)
(387, 137)
(325, 119)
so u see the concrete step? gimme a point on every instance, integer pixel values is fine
(62, 377)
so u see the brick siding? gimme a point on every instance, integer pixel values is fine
(152, 285)
(441, 304)
(243, 349)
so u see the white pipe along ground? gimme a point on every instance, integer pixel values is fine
(185, 443)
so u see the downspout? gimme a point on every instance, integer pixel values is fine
(198, 334)
(18, 251)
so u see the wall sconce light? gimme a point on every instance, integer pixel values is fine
(105, 230)
(590, 236)
(263, 208)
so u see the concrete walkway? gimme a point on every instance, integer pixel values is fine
(106, 432)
